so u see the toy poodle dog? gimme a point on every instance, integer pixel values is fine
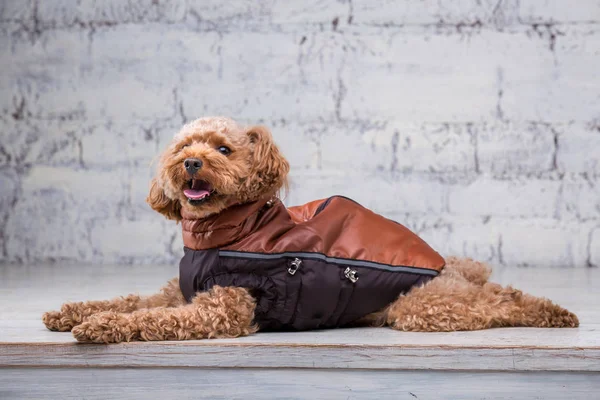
(250, 263)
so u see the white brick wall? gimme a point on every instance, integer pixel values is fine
(594, 248)
(474, 122)
(518, 198)
(516, 148)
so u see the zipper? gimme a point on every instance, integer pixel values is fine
(351, 274)
(294, 266)
(295, 284)
(348, 278)
(330, 260)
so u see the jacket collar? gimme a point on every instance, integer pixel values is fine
(229, 226)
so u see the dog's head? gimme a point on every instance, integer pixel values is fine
(212, 164)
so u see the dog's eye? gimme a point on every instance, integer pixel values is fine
(183, 146)
(224, 150)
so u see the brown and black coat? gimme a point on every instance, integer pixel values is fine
(321, 265)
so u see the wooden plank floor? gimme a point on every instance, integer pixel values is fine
(27, 291)
(161, 383)
(521, 363)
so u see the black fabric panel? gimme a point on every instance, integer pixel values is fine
(192, 269)
(318, 295)
(373, 292)
(346, 293)
(321, 286)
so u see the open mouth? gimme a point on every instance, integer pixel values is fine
(198, 191)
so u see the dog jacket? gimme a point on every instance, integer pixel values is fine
(321, 265)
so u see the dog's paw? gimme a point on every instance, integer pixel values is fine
(106, 327)
(58, 321)
(69, 316)
(564, 319)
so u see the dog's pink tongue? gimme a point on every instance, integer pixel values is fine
(195, 194)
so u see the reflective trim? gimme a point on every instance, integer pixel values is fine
(333, 260)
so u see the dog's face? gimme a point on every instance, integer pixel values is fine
(212, 164)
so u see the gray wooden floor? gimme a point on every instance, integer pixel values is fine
(331, 364)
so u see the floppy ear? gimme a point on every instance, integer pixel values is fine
(158, 200)
(269, 169)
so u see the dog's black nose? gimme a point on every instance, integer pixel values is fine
(192, 165)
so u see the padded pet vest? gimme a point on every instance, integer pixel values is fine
(321, 265)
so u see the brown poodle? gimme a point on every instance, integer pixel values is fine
(216, 168)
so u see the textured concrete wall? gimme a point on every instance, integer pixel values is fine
(474, 122)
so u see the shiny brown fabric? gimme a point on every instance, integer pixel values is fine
(341, 229)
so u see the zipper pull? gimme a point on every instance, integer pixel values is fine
(294, 265)
(351, 275)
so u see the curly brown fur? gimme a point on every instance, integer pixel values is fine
(461, 298)
(219, 313)
(73, 314)
(254, 168)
